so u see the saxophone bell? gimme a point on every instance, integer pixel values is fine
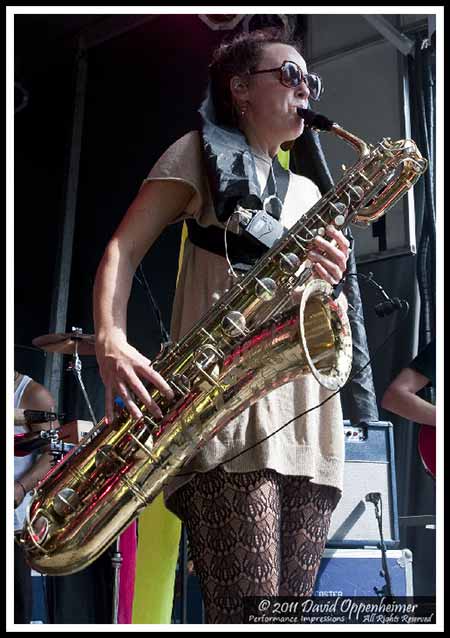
(328, 351)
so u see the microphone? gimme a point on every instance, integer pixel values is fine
(373, 497)
(28, 417)
(315, 120)
(386, 308)
(389, 305)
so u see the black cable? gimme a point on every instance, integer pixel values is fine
(387, 589)
(384, 308)
(165, 337)
(377, 501)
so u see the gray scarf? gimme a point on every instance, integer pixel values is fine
(230, 164)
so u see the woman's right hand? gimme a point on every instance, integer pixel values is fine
(124, 370)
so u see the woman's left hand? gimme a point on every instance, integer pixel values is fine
(329, 257)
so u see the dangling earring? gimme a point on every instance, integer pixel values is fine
(239, 111)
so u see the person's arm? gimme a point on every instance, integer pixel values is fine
(31, 478)
(121, 366)
(401, 398)
(35, 397)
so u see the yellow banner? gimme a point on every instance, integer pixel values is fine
(159, 534)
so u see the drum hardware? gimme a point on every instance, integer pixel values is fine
(76, 343)
(28, 417)
(67, 343)
(75, 363)
(116, 561)
(27, 442)
(58, 447)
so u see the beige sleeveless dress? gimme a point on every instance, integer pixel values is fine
(312, 446)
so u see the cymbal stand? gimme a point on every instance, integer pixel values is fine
(56, 445)
(56, 449)
(75, 367)
(116, 557)
(116, 560)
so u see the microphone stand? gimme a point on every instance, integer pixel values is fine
(116, 561)
(116, 557)
(386, 590)
(386, 307)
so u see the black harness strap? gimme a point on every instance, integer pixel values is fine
(211, 238)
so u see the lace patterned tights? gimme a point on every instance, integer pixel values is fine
(253, 534)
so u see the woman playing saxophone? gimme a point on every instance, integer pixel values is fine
(257, 525)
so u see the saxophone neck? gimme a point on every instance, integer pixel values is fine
(361, 147)
(319, 122)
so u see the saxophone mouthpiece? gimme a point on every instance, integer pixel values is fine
(315, 120)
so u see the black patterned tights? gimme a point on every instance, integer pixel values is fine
(253, 534)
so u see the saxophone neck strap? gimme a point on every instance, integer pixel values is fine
(211, 238)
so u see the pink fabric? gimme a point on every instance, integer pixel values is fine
(127, 547)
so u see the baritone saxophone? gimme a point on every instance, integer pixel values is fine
(250, 342)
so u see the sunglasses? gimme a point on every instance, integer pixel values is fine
(291, 76)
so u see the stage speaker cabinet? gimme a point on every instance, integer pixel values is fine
(342, 572)
(358, 572)
(369, 468)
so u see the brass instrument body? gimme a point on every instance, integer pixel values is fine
(247, 344)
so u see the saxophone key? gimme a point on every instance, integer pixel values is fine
(265, 288)
(66, 502)
(365, 178)
(234, 324)
(107, 460)
(339, 208)
(210, 338)
(356, 192)
(180, 384)
(39, 528)
(301, 243)
(289, 263)
(145, 446)
(210, 379)
(207, 355)
(320, 219)
(309, 232)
